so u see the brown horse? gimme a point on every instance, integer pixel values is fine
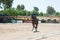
(35, 24)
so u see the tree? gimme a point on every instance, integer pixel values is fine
(41, 14)
(0, 4)
(6, 3)
(20, 7)
(11, 12)
(57, 14)
(50, 10)
(9, 3)
(36, 11)
(45, 14)
(22, 13)
(28, 13)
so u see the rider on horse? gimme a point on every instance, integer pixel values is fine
(33, 16)
(34, 21)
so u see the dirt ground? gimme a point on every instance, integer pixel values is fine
(23, 31)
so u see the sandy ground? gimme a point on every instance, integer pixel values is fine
(23, 31)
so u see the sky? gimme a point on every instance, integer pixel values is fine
(41, 4)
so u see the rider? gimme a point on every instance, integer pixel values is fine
(33, 16)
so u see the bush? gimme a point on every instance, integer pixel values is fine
(10, 12)
(6, 19)
(49, 21)
(55, 21)
(43, 21)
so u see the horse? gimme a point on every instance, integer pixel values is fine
(35, 24)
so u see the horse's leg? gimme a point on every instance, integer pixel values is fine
(33, 27)
(36, 27)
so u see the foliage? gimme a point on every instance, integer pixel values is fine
(57, 14)
(36, 9)
(10, 12)
(20, 7)
(20, 10)
(41, 14)
(6, 3)
(22, 13)
(50, 10)
(28, 13)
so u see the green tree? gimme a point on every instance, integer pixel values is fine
(41, 14)
(7, 3)
(36, 11)
(20, 7)
(28, 13)
(11, 12)
(50, 10)
(45, 14)
(22, 13)
(0, 4)
(57, 14)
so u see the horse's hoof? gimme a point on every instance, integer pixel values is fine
(36, 31)
(44, 37)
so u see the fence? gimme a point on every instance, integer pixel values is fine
(27, 19)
